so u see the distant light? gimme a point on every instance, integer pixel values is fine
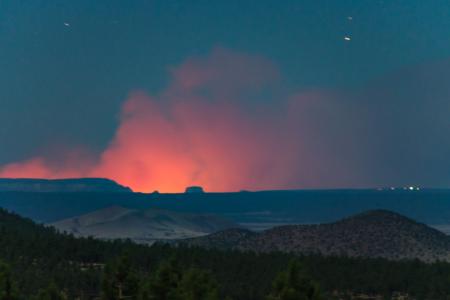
(349, 18)
(347, 38)
(392, 188)
(66, 24)
(418, 189)
(411, 188)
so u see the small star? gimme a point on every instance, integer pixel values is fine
(347, 38)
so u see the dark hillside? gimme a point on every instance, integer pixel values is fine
(376, 233)
(38, 255)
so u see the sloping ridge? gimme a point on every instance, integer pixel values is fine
(145, 226)
(377, 233)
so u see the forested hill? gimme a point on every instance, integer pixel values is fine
(44, 263)
(377, 233)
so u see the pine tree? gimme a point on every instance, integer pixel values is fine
(164, 284)
(197, 285)
(293, 284)
(7, 287)
(119, 280)
(170, 283)
(50, 293)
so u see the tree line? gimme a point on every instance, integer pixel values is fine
(169, 282)
(40, 263)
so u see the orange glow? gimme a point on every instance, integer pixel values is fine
(202, 130)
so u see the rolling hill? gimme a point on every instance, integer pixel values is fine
(376, 233)
(142, 226)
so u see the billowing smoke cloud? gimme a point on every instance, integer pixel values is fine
(225, 123)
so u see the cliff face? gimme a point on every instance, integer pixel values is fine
(61, 185)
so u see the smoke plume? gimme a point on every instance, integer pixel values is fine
(224, 122)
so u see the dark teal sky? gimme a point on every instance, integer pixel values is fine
(66, 67)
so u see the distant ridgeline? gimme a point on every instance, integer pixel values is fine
(61, 185)
(254, 210)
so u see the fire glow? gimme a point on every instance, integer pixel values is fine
(208, 128)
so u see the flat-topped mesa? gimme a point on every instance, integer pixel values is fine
(194, 190)
(61, 185)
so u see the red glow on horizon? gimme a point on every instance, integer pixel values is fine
(201, 130)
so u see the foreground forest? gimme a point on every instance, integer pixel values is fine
(39, 263)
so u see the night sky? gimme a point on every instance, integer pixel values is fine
(230, 95)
